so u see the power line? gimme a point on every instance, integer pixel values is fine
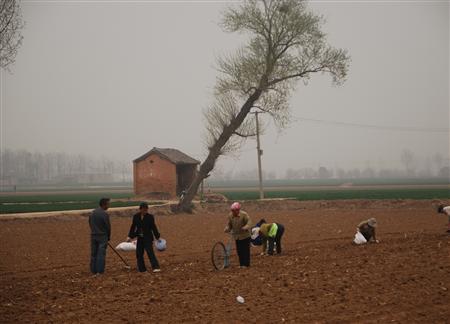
(371, 126)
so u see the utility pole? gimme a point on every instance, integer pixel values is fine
(259, 152)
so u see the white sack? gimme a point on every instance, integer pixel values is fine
(255, 233)
(359, 238)
(126, 246)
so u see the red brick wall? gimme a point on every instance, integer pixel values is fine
(159, 176)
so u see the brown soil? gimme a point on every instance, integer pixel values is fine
(320, 277)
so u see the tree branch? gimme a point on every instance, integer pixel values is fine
(10, 18)
(244, 135)
(297, 75)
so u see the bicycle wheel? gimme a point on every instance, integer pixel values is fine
(219, 256)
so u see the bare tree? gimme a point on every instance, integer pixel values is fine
(24, 167)
(408, 159)
(368, 172)
(285, 45)
(11, 24)
(438, 160)
(324, 173)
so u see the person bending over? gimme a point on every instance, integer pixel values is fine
(272, 233)
(256, 239)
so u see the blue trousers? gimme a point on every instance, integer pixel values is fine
(99, 243)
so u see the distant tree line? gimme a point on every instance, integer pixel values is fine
(21, 167)
(434, 166)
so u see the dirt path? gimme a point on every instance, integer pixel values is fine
(320, 277)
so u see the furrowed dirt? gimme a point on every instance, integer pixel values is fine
(320, 277)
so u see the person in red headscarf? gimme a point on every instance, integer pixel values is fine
(239, 225)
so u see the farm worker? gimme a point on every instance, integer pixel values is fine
(239, 224)
(256, 238)
(367, 229)
(445, 210)
(100, 235)
(144, 228)
(272, 232)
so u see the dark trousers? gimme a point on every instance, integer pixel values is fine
(99, 243)
(147, 245)
(367, 236)
(276, 240)
(243, 251)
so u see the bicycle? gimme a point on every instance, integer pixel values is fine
(220, 255)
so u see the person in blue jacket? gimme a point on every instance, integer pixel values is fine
(256, 238)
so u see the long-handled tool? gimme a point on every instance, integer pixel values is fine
(127, 266)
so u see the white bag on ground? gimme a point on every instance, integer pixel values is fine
(126, 246)
(359, 238)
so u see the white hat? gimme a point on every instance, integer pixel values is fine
(372, 222)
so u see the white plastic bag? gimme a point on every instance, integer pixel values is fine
(126, 246)
(161, 245)
(359, 239)
(255, 233)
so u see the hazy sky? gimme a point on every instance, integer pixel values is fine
(117, 78)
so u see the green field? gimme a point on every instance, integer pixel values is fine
(64, 200)
(128, 187)
(344, 194)
(57, 202)
(329, 182)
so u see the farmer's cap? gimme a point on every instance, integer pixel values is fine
(372, 222)
(235, 206)
(143, 205)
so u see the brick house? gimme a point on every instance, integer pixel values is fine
(163, 172)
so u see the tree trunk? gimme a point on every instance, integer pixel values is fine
(216, 150)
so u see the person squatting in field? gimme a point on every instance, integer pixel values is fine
(272, 233)
(144, 228)
(368, 230)
(239, 225)
(100, 236)
(445, 210)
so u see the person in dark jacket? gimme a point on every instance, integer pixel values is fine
(144, 228)
(100, 235)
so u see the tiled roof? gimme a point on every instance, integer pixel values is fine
(173, 155)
